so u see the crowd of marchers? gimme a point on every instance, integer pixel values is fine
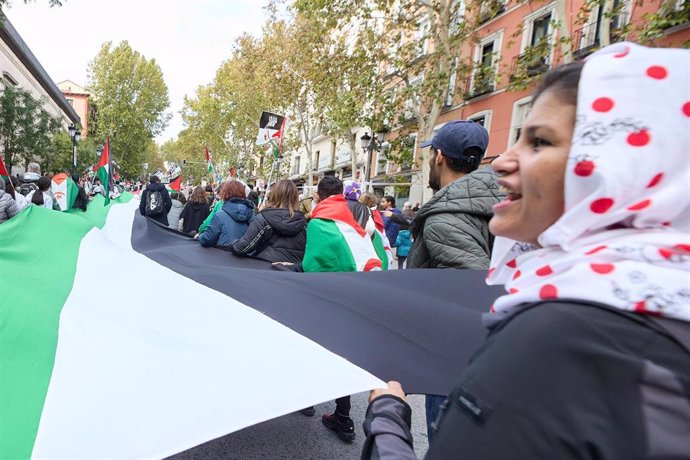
(584, 220)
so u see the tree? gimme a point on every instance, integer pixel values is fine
(26, 128)
(60, 157)
(131, 98)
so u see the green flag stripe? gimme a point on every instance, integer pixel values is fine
(29, 335)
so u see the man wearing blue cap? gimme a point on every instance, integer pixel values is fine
(451, 230)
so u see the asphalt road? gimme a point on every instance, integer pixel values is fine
(295, 436)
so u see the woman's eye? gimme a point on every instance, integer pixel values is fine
(538, 142)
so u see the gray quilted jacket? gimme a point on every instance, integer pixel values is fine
(8, 207)
(451, 230)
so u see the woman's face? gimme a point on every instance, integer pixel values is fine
(532, 172)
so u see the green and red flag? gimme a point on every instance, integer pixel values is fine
(3, 171)
(208, 161)
(176, 184)
(102, 170)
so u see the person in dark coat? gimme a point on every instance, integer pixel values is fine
(588, 352)
(392, 227)
(82, 199)
(156, 186)
(278, 233)
(232, 220)
(195, 211)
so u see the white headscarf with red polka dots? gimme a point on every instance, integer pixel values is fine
(624, 238)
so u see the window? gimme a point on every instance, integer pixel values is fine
(70, 102)
(413, 100)
(421, 37)
(483, 118)
(457, 15)
(382, 160)
(317, 157)
(521, 108)
(537, 40)
(489, 9)
(486, 58)
(9, 78)
(296, 165)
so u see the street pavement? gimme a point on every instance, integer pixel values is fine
(295, 436)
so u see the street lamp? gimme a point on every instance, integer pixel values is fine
(370, 144)
(75, 135)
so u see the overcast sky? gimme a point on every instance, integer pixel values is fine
(188, 38)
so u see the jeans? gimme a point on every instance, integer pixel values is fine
(401, 262)
(433, 409)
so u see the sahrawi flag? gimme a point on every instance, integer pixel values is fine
(123, 351)
(271, 126)
(64, 190)
(102, 170)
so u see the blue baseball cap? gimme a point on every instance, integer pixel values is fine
(455, 137)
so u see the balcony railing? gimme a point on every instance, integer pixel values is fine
(481, 83)
(585, 40)
(534, 61)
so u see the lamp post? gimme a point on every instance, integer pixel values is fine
(370, 144)
(75, 135)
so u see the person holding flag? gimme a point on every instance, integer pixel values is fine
(103, 171)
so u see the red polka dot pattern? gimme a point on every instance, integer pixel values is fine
(683, 247)
(603, 104)
(544, 271)
(517, 274)
(601, 205)
(602, 269)
(686, 109)
(641, 205)
(512, 263)
(584, 168)
(655, 180)
(639, 138)
(657, 72)
(513, 291)
(665, 253)
(548, 291)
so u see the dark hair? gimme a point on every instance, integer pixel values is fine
(174, 195)
(329, 186)
(390, 199)
(43, 185)
(472, 158)
(9, 186)
(198, 195)
(154, 179)
(563, 81)
(209, 189)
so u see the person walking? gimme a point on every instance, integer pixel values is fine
(232, 220)
(175, 210)
(278, 232)
(155, 201)
(41, 197)
(403, 243)
(195, 212)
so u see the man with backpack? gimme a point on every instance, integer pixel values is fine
(155, 201)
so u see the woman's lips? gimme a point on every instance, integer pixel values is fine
(510, 199)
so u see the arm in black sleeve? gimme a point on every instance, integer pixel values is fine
(142, 202)
(400, 219)
(387, 427)
(257, 234)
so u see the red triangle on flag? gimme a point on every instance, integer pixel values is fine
(3, 169)
(176, 184)
(105, 156)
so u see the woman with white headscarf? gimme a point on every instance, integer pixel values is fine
(588, 353)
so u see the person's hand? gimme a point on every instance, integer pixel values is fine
(387, 213)
(394, 388)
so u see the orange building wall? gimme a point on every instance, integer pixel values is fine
(81, 106)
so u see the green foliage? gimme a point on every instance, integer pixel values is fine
(25, 128)
(131, 98)
(60, 158)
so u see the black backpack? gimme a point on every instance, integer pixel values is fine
(27, 188)
(154, 203)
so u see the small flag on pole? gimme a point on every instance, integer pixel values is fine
(208, 161)
(271, 127)
(3, 171)
(102, 170)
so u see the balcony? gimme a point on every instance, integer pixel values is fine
(490, 9)
(534, 61)
(585, 40)
(481, 83)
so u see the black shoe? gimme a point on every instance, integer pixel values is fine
(344, 427)
(308, 412)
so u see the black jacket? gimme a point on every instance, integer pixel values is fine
(274, 236)
(559, 380)
(194, 214)
(167, 202)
